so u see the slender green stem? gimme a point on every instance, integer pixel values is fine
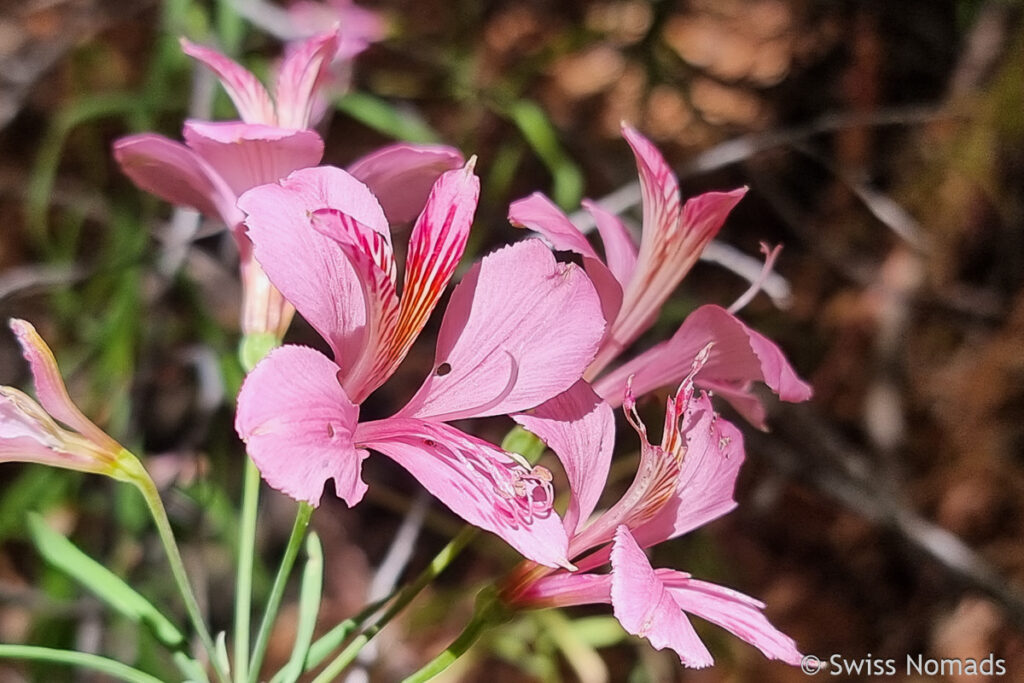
(405, 596)
(302, 516)
(489, 611)
(82, 660)
(251, 350)
(329, 642)
(246, 557)
(163, 527)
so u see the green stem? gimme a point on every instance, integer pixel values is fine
(163, 527)
(80, 659)
(407, 594)
(302, 516)
(489, 612)
(246, 557)
(252, 349)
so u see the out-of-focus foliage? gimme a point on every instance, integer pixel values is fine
(883, 144)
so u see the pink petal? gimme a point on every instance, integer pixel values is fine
(297, 424)
(580, 428)
(28, 434)
(300, 75)
(739, 614)
(644, 606)
(401, 176)
(358, 27)
(707, 479)
(538, 213)
(479, 482)
(247, 154)
(250, 97)
(619, 249)
(739, 356)
(374, 266)
(671, 242)
(309, 268)
(173, 172)
(50, 389)
(566, 590)
(435, 248)
(519, 329)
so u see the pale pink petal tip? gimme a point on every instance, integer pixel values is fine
(50, 389)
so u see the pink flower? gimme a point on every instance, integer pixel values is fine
(680, 485)
(29, 431)
(518, 330)
(358, 27)
(634, 284)
(220, 161)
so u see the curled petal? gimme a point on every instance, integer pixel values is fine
(297, 424)
(374, 266)
(173, 172)
(644, 606)
(739, 356)
(246, 154)
(28, 434)
(402, 175)
(520, 328)
(50, 389)
(619, 249)
(739, 614)
(301, 73)
(706, 481)
(484, 485)
(580, 428)
(538, 213)
(249, 96)
(435, 248)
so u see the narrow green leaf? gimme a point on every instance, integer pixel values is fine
(82, 660)
(386, 118)
(108, 587)
(191, 668)
(540, 134)
(309, 606)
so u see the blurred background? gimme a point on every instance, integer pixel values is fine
(883, 144)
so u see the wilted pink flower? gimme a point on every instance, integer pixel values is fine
(518, 330)
(634, 284)
(680, 485)
(29, 431)
(220, 161)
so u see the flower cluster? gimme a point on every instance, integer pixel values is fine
(524, 335)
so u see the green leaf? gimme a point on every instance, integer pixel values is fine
(386, 118)
(540, 134)
(309, 606)
(82, 660)
(107, 586)
(525, 443)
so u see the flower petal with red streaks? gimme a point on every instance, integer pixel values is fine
(484, 485)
